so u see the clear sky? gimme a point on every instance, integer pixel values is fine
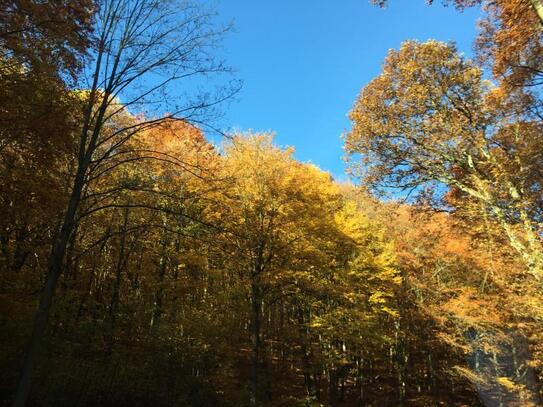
(303, 62)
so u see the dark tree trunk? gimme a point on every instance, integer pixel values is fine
(114, 304)
(159, 294)
(54, 270)
(256, 319)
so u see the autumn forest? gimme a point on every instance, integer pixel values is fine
(150, 258)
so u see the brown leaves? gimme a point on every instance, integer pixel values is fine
(510, 41)
(50, 37)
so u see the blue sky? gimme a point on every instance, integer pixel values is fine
(303, 62)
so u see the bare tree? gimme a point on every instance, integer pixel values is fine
(150, 57)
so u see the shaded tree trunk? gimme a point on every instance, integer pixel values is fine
(256, 321)
(54, 270)
(115, 297)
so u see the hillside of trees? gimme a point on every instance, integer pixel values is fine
(141, 264)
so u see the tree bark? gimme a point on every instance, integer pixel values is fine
(159, 294)
(115, 296)
(54, 270)
(256, 318)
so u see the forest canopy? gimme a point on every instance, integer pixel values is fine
(143, 262)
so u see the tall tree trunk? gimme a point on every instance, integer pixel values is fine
(114, 304)
(401, 361)
(432, 380)
(360, 377)
(305, 345)
(256, 319)
(58, 249)
(159, 294)
(20, 254)
(332, 386)
(54, 270)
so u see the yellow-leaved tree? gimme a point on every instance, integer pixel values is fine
(296, 243)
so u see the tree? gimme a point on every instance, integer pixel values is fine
(142, 48)
(48, 37)
(458, 276)
(41, 47)
(300, 249)
(536, 5)
(509, 40)
(271, 208)
(429, 121)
